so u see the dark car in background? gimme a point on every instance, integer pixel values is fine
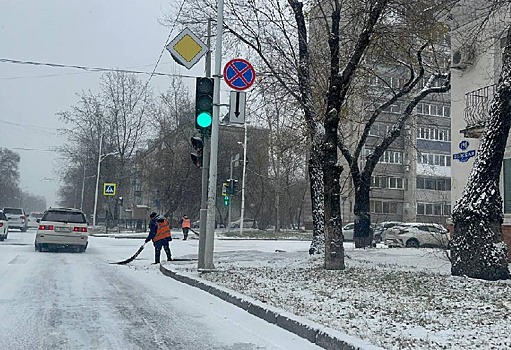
(17, 218)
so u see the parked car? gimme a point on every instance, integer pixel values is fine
(17, 218)
(32, 219)
(62, 228)
(381, 228)
(4, 226)
(348, 231)
(417, 235)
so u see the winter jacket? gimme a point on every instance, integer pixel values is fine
(186, 223)
(159, 228)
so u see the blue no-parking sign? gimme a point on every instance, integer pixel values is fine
(239, 74)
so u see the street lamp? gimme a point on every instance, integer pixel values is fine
(243, 179)
(101, 157)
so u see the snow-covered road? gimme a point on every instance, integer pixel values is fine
(63, 300)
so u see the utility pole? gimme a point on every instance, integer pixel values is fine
(203, 216)
(210, 227)
(243, 180)
(97, 184)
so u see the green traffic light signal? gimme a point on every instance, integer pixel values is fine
(204, 120)
(226, 200)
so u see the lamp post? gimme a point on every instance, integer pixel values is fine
(234, 162)
(101, 157)
(243, 180)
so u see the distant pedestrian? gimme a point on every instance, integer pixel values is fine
(159, 233)
(185, 226)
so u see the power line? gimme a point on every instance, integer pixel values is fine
(90, 69)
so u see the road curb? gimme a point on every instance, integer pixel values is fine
(323, 337)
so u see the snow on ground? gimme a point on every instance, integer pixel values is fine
(394, 298)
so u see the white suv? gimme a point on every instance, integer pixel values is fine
(416, 234)
(62, 228)
(17, 218)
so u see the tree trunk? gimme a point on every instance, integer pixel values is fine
(316, 191)
(363, 235)
(477, 249)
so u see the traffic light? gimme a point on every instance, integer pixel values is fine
(225, 186)
(233, 187)
(121, 201)
(204, 104)
(226, 201)
(198, 145)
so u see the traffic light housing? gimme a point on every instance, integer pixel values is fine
(121, 201)
(204, 104)
(233, 187)
(196, 156)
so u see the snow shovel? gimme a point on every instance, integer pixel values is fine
(137, 253)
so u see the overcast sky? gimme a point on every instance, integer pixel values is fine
(97, 33)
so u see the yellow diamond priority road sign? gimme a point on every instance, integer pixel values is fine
(187, 49)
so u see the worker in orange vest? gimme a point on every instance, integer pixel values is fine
(159, 233)
(185, 226)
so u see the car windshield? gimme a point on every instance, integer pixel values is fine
(64, 216)
(16, 211)
(36, 215)
(2, 216)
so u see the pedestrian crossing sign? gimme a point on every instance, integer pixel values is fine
(109, 189)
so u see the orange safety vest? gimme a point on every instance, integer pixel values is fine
(186, 223)
(163, 231)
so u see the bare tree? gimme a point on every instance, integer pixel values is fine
(9, 181)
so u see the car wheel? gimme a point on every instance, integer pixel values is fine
(1, 238)
(412, 243)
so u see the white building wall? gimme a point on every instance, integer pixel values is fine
(483, 72)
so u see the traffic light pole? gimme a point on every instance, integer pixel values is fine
(205, 172)
(210, 227)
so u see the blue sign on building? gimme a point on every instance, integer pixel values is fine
(464, 156)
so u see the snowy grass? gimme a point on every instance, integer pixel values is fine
(394, 298)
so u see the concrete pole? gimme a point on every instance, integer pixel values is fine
(205, 173)
(210, 227)
(97, 184)
(243, 180)
(83, 188)
(229, 195)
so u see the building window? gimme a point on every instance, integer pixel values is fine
(434, 159)
(389, 157)
(387, 182)
(507, 185)
(433, 109)
(434, 209)
(434, 183)
(383, 207)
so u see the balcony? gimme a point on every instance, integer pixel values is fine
(477, 108)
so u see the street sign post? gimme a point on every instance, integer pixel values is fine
(186, 48)
(239, 74)
(237, 107)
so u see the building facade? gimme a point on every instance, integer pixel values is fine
(476, 67)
